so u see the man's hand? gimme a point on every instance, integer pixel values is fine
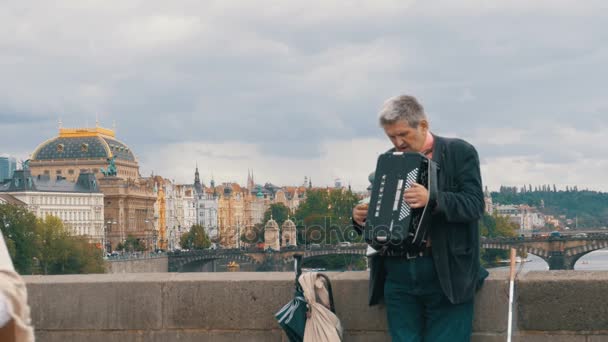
(360, 213)
(417, 196)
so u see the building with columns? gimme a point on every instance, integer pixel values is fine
(129, 211)
(78, 204)
(128, 200)
(206, 199)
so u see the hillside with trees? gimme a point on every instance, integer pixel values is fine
(588, 208)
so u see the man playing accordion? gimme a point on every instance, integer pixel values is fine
(429, 295)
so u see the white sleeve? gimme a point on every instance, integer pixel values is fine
(5, 260)
(5, 317)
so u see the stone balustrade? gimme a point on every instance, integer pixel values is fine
(551, 306)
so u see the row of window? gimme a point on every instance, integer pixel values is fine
(82, 230)
(67, 200)
(69, 216)
(125, 173)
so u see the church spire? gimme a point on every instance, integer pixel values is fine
(198, 187)
(250, 182)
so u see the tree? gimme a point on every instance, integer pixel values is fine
(196, 238)
(589, 206)
(53, 240)
(325, 216)
(44, 245)
(495, 226)
(132, 244)
(254, 235)
(279, 212)
(19, 228)
(60, 253)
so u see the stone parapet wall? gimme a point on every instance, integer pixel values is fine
(551, 306)
(147, 265)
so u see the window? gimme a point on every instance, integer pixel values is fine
(70, 171)
(84, 147)
(47, 172)
(58, 172)
(60, 148)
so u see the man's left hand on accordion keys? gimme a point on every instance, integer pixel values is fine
(417, 196)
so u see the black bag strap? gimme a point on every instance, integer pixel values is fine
(329, 291)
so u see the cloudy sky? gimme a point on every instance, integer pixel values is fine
(292, 89)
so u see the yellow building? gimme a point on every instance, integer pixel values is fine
(240, 208)
(231, 214)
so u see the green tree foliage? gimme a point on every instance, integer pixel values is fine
(60, 253)
(44, 246)
(589, 208)
(254, 235)
(325, 217)
(132, 244)
(279, 213)
(196, 238)
(19, 228)
(495, 226)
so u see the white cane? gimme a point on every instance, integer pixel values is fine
(511, 285)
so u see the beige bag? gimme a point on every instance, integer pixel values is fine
(322, 325)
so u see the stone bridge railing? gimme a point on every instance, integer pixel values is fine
(551, 306)
(285, 256)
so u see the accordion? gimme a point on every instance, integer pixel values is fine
(392, 226)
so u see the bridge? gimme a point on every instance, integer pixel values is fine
(560, 252)
(262, 260)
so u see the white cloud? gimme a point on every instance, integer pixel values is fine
(517, 171)
(240, 84)
(351, 161)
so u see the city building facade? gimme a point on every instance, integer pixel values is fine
(525, 217)
(128, 200)
(80, 204)
(79, 150)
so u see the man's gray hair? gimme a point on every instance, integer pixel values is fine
(402, 107)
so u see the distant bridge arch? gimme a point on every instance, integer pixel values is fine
(561, 253)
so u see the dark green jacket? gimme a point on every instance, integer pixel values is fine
(454, 230)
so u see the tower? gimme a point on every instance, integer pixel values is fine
(250, 182)
(198, 187)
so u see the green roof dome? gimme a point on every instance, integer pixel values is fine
(94, 143)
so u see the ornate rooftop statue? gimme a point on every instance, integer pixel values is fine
(111, 171)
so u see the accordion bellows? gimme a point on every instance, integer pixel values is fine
(392, 225)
